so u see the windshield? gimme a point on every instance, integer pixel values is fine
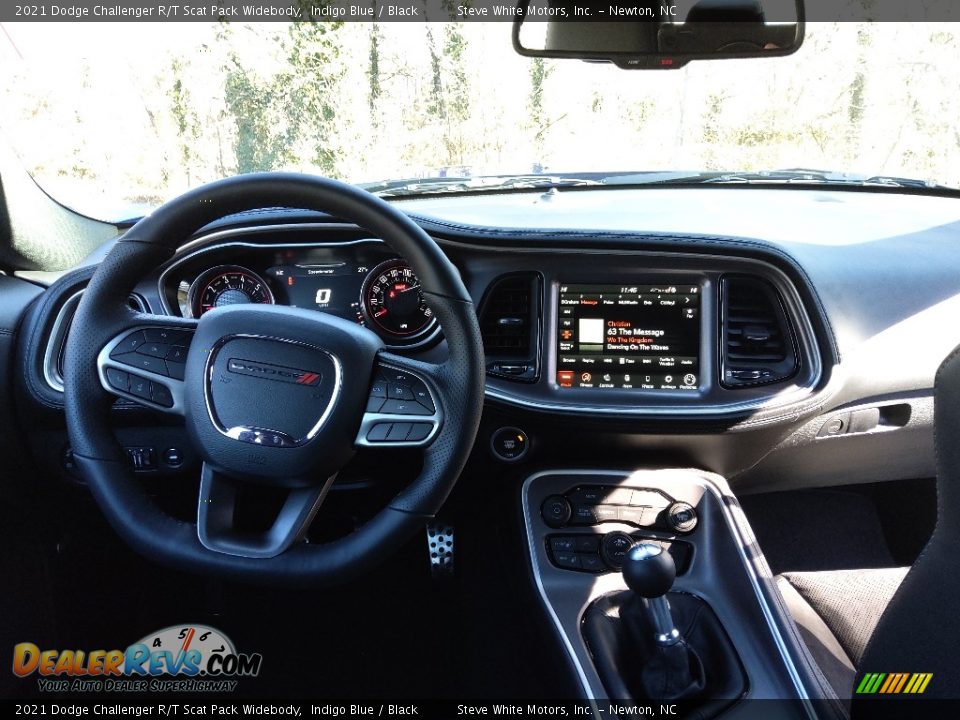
(112, 119)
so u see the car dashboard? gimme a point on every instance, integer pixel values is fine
(723, 338)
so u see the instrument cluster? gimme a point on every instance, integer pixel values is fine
(361, 281)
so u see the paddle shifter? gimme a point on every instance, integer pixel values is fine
(649, 571)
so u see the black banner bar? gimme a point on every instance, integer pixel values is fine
(185, 706)
(453, 10)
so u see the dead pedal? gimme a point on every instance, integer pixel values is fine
(440, 549)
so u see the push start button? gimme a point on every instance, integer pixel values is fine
(509, 444)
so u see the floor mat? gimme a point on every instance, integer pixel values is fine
(804, 530)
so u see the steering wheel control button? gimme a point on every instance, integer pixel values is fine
(147, 363)
(555, 511)
(157, 350)
(140, 387)
(398, 391)
(614, 547)
(681, 517)
(167, 336)
(398, 432)
(378, 389)
(419, 431)
(374, 404)
(161, 394)
(509, 444)
(176, 370)
(118, 379)
(176, 354)
(129, 344)
(379, 432)
(404, 407)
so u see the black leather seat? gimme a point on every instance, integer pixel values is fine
(895, 620)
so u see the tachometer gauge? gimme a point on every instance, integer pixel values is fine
(392, 301)
(227, 285)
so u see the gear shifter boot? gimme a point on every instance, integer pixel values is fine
(701, 669)
(673, 672)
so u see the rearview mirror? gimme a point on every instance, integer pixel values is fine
(646, 34)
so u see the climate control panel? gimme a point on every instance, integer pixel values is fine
(590, 505)
(592, 553)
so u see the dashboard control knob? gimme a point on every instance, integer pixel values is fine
(614, 548)
(681, 517)
(555, 511)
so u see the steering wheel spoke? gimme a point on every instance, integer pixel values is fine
(403, 408)
(216, 517)
(146, 362)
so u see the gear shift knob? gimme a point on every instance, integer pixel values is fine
(649, 571)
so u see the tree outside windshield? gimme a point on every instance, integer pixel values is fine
(113, 119)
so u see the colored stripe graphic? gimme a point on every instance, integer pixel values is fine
(894, 683)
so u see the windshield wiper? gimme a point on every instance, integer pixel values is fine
(774, 177)
(479, 183)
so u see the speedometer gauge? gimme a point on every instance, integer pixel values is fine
(227, 285)
(393, 301)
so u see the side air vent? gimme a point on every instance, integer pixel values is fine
(757, 342)
(510, 320)
(53, 355)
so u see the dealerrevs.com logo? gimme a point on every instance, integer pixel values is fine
(180, 658)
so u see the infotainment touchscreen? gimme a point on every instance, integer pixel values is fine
(629, 337)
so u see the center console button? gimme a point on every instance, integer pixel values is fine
(648, 498)
(567, 560)
(555, 511)
(562, 543)
(606, 513)
(681, 517)
(590, 495)
(614, 548)
(592, 562)
(633, 515)
(584, 515)
(586, 543)
(618, 496)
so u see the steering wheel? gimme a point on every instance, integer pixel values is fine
(270, 395)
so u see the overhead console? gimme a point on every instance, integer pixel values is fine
(648, 334)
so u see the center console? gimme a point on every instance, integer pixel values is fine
(708, 579)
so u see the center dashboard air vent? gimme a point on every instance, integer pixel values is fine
(510, 322)
(757, 341)
(53, 355)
